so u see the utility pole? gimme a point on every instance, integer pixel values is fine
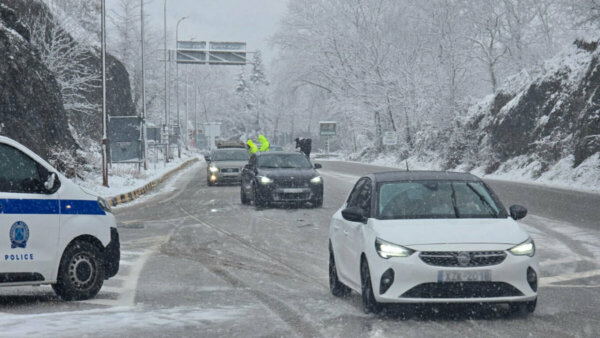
(195, 114)
(177, 79)
(187, 107)
(144, 136)
(166, 86)
(104, 115)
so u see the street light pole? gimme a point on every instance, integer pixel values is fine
(104, 115)
(144, 136)
(166, 85)
(177, 79)
(195, 114)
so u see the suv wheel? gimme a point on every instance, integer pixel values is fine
(259, 202)
(243, 198)
(81, 272)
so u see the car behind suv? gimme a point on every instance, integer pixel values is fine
(225, 165)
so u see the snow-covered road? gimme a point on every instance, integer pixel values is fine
(198, 263)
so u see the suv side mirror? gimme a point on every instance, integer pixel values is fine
(518, 212)
(354, 214)
(318, 166)
(207, 158)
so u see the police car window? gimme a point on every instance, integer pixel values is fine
(18, 172)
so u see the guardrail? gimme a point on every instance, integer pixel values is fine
(134, 194)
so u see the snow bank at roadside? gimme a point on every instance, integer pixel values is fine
(124, 178)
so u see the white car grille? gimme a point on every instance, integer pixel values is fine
(463, 258)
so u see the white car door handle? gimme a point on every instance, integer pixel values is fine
(346, 232)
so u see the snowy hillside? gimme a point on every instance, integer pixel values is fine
(543, 127)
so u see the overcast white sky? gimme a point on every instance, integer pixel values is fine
(250, 21)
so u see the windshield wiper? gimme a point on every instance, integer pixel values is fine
(491, 209)
(453, 196)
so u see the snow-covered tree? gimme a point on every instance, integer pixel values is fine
(69, 61)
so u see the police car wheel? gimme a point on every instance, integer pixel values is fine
(81, 272)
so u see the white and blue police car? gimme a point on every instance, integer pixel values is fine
(51, 230)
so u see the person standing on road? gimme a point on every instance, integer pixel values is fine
(252, 148)
(305, 145)
(264, 144)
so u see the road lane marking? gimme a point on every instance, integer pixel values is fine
(547, 281)
(175, 195)
(565, 260)
(127, 291)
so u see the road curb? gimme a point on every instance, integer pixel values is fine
(134, 194)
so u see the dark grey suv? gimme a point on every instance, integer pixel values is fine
(281, 177)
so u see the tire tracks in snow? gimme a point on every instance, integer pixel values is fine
(283, 311)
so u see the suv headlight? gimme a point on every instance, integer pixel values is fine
(104, 204)
(316, 180)
(526, 248)
(213, 169)
(265, 180)
(386, 249)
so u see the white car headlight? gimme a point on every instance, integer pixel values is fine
(213, 169)
(265, 180)
(386, 249)
(316, 180)
(526, 248)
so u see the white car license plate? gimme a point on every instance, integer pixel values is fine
(293, 190)
(465, 276)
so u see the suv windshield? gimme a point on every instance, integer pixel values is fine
(437, 199)
(230, 155)
(284, 161)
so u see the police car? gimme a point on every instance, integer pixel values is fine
(51, 230)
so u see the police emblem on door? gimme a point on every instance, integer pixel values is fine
(19, 235)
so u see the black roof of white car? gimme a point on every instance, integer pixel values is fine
(393, 176)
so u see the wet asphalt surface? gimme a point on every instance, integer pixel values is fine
(197, 263)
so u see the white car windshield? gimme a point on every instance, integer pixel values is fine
(437, 199)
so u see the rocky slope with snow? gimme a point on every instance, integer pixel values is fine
(541, 126)
(120, 102)
(31, 110)
(554, 115)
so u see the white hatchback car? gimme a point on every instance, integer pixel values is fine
(431, 237)
(51, 230)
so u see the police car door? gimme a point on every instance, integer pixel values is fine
(29, 219)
